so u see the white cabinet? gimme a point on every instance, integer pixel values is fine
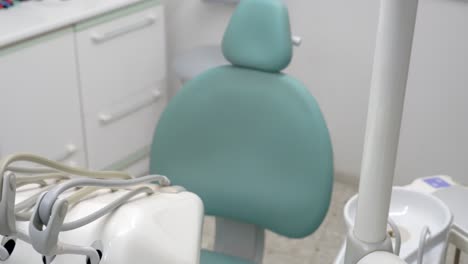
(120, 57)
(39, 101)
(90, 94)
(122, 71)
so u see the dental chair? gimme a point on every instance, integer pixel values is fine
(250, 140)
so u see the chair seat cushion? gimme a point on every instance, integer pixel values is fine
(253, 145)
(210, 257)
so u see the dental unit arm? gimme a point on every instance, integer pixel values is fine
(48, 218)
(111, 218)
(10, 212)
(369, 242)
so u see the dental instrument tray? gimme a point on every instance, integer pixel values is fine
(65, 215)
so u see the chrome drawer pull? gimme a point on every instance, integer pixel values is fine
(112, 116)
(148, 21)
(70, 150)
(296, 41)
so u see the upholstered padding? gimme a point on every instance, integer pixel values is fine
(259, 36)
(253, 145)
(210, 257)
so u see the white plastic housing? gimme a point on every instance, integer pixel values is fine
(161, 228)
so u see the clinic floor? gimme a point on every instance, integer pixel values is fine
(319, 248)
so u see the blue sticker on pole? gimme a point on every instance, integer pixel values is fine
(437, 182)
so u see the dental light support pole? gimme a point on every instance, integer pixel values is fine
(389, 78)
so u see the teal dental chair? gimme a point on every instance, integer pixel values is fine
(249, 140)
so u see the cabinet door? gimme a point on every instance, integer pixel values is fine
(122, 69)
(39, 102)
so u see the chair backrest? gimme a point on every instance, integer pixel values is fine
(248, 139)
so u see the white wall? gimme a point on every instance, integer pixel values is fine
(335, 62)
(434, 135)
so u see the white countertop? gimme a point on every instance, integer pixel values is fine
(35, 17)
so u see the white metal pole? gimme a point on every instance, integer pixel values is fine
(389, 78)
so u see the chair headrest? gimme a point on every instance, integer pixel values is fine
(259, 36)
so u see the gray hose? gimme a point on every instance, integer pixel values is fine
(397, 234)
(41, 183)
(42, 177)
(47, 203)
(56, 166)
(29, 170)
(23, 216)
(103, 211)
(31, 201)
(425, 235)
(22, 209)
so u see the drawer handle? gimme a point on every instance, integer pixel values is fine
(112, 116)
(147, 21)
(70, 150)
(296, 40)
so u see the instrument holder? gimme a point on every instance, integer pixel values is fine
(44, 232)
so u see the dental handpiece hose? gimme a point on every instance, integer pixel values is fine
(389, 78)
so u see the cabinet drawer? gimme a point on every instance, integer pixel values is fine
(121, 56)
(39, 105)
(123, 127)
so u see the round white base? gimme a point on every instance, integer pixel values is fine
(412, 211)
